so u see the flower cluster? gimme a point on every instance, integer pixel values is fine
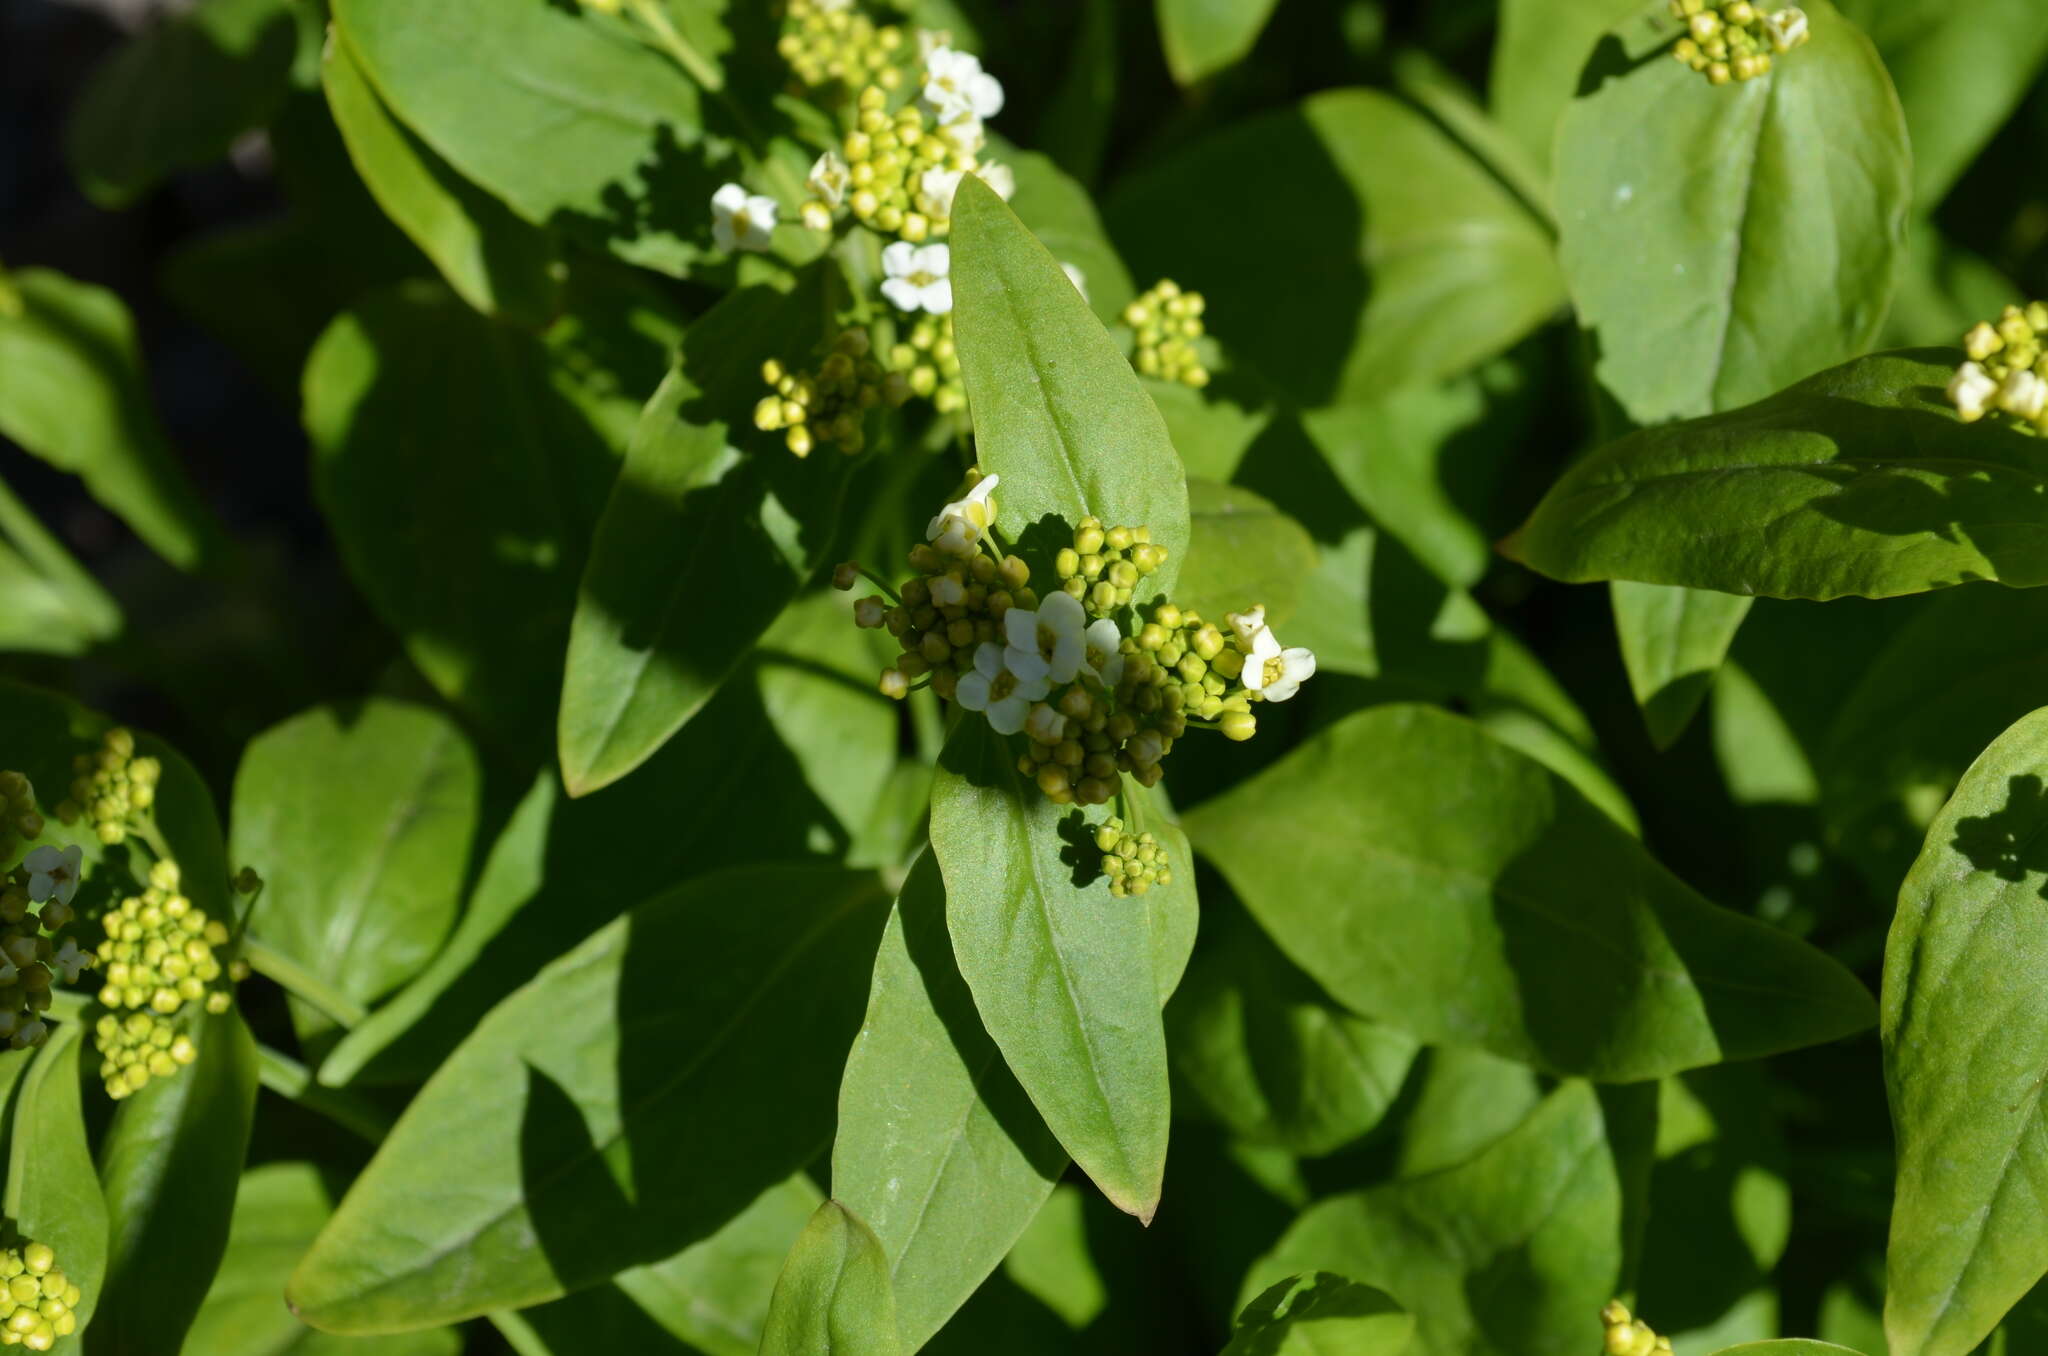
(1167, 321)
(35, 906)
(1629, 1336)
(1735, 41)
(37, 1301)
(110, 787)
(929, 361)
(830, 404)
(1134, 863)
(1104, 565)
(897, 172)
(829, 41)
(2007, 369)
(159, 955)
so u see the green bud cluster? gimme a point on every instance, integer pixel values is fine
(2007, 369)
(944, 611)
(159, 955)
(1104, 565)
(111, 787)
(37, 1301)
(887, 157)
(929, 362)
(1735, 40)
(18, 813)
(1627, 1335)
(824, 44)
(1167, 322)
(1134, 863)
(829, 405)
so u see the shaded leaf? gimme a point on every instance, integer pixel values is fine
(1541, 48)
(1300, 1315)
(1201, 37)
(1672, 642)
(1242, 552)
(834, 1293)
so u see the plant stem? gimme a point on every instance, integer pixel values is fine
(888, 590)
(302, 983)
(288, 1078)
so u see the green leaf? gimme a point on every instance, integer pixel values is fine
(1789, 1346)
(54, 606)
(1468, 1100)
(72, 391)
(169, 1165)
(1673, 641)
(692, 517)
(572, 121)
(1507, 1254)
(1058, 412)
(1242, 552)
(494, 261)
(1537, 57)
(1075, 127)
(1062, 974)
(632, 1098)
(1965, 1042)
(1532, 925)
(53, 1192)
(178, 96)
(1053, 1264)
(1201, 37)
(1859, 481)
(834, 1293)
(360, 820)
(1319, 1312)
(1702, 227)
(1423, 263)
(278, 1210)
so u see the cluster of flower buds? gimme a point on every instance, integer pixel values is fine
(1627, 1335)
(1735, 40)
(1167, 321)
(829, 41)
(1104, 565)
(2007, 368)
(19, 816)
(111, 786)
(829, 405)
(1134, 863)
(897, 172)
(37, 1301)
(159, 955)
(930, 362)
(34, 896)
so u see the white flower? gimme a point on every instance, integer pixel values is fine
(1046, 725)
(740, 220)
(999, 177)
(53, 873)
(1048, 643)
(1787, 27)
(1247, 625)
(956, 87)
(917, 278)
(829, 178)
(1277, 674)
(1102, 651)
(1077, 278)
(69, 960)
(991, 687)
(957, 528)
(2023, 394)
(940, 185)
(1970, 391)
(948, 591)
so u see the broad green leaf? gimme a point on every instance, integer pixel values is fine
(278, 1210)
(1318, 1312)
(360, 821)
(1270, 1057)
(706, 507)
(53, 605)
(1672, 642)
(1532, 925)
(1468, 1100)
(1508, 1254)
(1859, 481)
(1789, 1346)
(53, 1192)
(462, 466)
(572, 122)
(632, 1098)
(494, 261)
(169, 1165)
(1704, 228)
(179, 95)
(1760, 757)
(1242, 552)
(1537, 56)
(1423, 264)
(1058, 412)
(1063, 217)
(72, 391)
(1052, 1262)
(1965, 1043)
(1061, 973)
(1201, 37)
(833, 1295)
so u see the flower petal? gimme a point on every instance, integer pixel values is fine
(1032, 689)
(45, 858)
(1067, 655)
(937, 297)
(902, 294)
(1008, 715)
(899, 259)
(1020, 628)
(729, 199)
(1028, 665)
(988, 659)
(1063, 612)
(972, 691)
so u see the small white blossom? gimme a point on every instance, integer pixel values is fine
(1103, 652)
(1277, 674)
(956, 87)
(740, 220)
(957, 528)
(2023, 394)
(1077, 278)
(992, 688)
(1045, 725)
(1048, 643)
(948, 591)
(1970, 391)
(918, 278)
(69, 960)
(1247, 625)
(53, 872)
(940, 185)
(1787, 27)
(829, 179)
(999, 177)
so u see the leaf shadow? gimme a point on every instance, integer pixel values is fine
(2012, 842)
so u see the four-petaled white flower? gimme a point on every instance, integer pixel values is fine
(53, 873)
(957, 88)
(957, 528)
(1103, 653)
(991, 687)
(2023, 394)
(1048, 643)
(1077, 278)
(1970, 391)
(1787, 27)
(69, 960)
(829, 178)
(1277, 674)
(918, 278)
(741, 220)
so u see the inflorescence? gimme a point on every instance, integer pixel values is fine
(1627, 1335)
(35, 909)
(1167, 321)
(158, 956)
(1736, 40)
(37, 1301)
(2006, 370)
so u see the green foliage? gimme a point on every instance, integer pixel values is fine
(834, 1292)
